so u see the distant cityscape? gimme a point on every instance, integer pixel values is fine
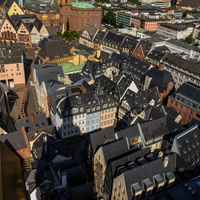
(100, 100)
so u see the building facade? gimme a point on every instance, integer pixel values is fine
(175, 31)
(78, 15)
(47, 13)
(83, 113)
(146, 23)
(187, 105)
(17, 29)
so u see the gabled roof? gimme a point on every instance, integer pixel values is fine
(91, 30)
(146, 172)
(14, 140)
(130, 44)
(146, 46)
(156, 55)
(187, 144)
(114, 149)
(190, 91)
(181, 63)
(99, 138)
(33, 122)
(191, 3)
(48, 72)
(54, 48)
(99, 36)
(114, 39)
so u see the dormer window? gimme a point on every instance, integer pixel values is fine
(81, 109)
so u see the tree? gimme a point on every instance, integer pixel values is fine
(189, 39)
(121, 25)
(110, 18)
(69, 35)
(196, 44)
(135, 1)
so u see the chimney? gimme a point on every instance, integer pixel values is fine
(166, 161)
(25, 136)
(32, 118)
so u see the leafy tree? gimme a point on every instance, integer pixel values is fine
(110, 18)
(69, 35)
(189, 39)
(121, 25)
(191, 11)
(135, 1)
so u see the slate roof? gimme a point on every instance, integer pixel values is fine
(39, 121)
(48, 72)
(14, 140)
(141, 98)
(190, 91)
(187, 144)
(146, 46)
(42, 7)
(99, 36)
(75, 176)
(146, 171)
(159, 78)
(155, 128)
(90, 102)
(156, 55)
(99, 138)
(181, 63)
(29, 21)
(54, 48)
(180, 43)
(191, 3)
(91, 30)
(112, 38)
(130, 43)
(114, 149)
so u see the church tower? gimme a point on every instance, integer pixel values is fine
(65, 14)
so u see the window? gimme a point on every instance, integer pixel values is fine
(76, 22)
(97, 14)
(74, 110)
(82, 14)
(88, 14)
(88, 21)
(81, 109)
(82, 23)
(76, 13)
(66, 12)
(44, 16)
(96, 22)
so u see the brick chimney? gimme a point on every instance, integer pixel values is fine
(25, 137)
(32, 118)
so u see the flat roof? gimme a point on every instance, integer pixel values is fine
(70, 67)
(184, 191)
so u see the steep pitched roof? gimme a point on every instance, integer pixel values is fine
(101, 137)
(91, 30)
(54, 48)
